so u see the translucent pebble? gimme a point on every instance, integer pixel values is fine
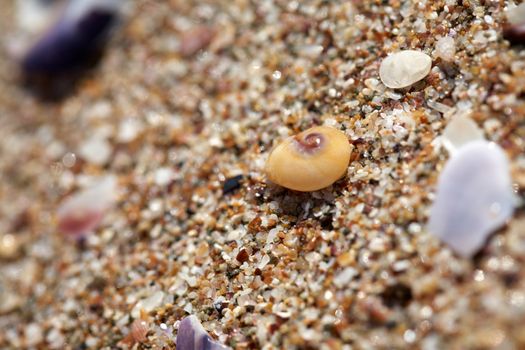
(474, 197)
(149, 304)
(345, 276)
(460, 130)
(446, 49)
(192, 336)
(404, 68)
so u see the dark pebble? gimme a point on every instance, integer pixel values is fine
(231, 184)
(243, 256)
(397, 295)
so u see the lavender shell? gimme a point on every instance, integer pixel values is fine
(192, 336)
(474, 197)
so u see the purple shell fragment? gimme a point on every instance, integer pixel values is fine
(78, 33)
(192, 336)
(474, 197)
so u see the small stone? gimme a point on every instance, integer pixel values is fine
(346, 259)
(446, 49)
(148, 304)
(163, 176)
(397, 294)
(33, 334)
(474, 197)
(264, 261)
(231, 184)
(55, 339)
(128, 130)
(9, 246)
(310, 51)
(404, 68)
(345, 276)
(10, 301)
(243, 256)
(96, 150)
(69, 160)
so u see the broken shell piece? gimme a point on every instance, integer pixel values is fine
(83, 211)
(404, 68)
(474, 197)
(460, 130)
(192, 336)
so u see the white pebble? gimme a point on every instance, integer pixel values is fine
(128, 130)
(344, 277)
(55, 339)
(474, 197)
(34, 16)
(310, 51)
(460, 130)
(33, 334)
(163, 176)
(404, 68)
(264, 261)
(446, 49)
(96, 151)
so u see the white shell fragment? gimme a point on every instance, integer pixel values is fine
(474, 197)
(404, 68)
(83, 211)
(461, 129)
